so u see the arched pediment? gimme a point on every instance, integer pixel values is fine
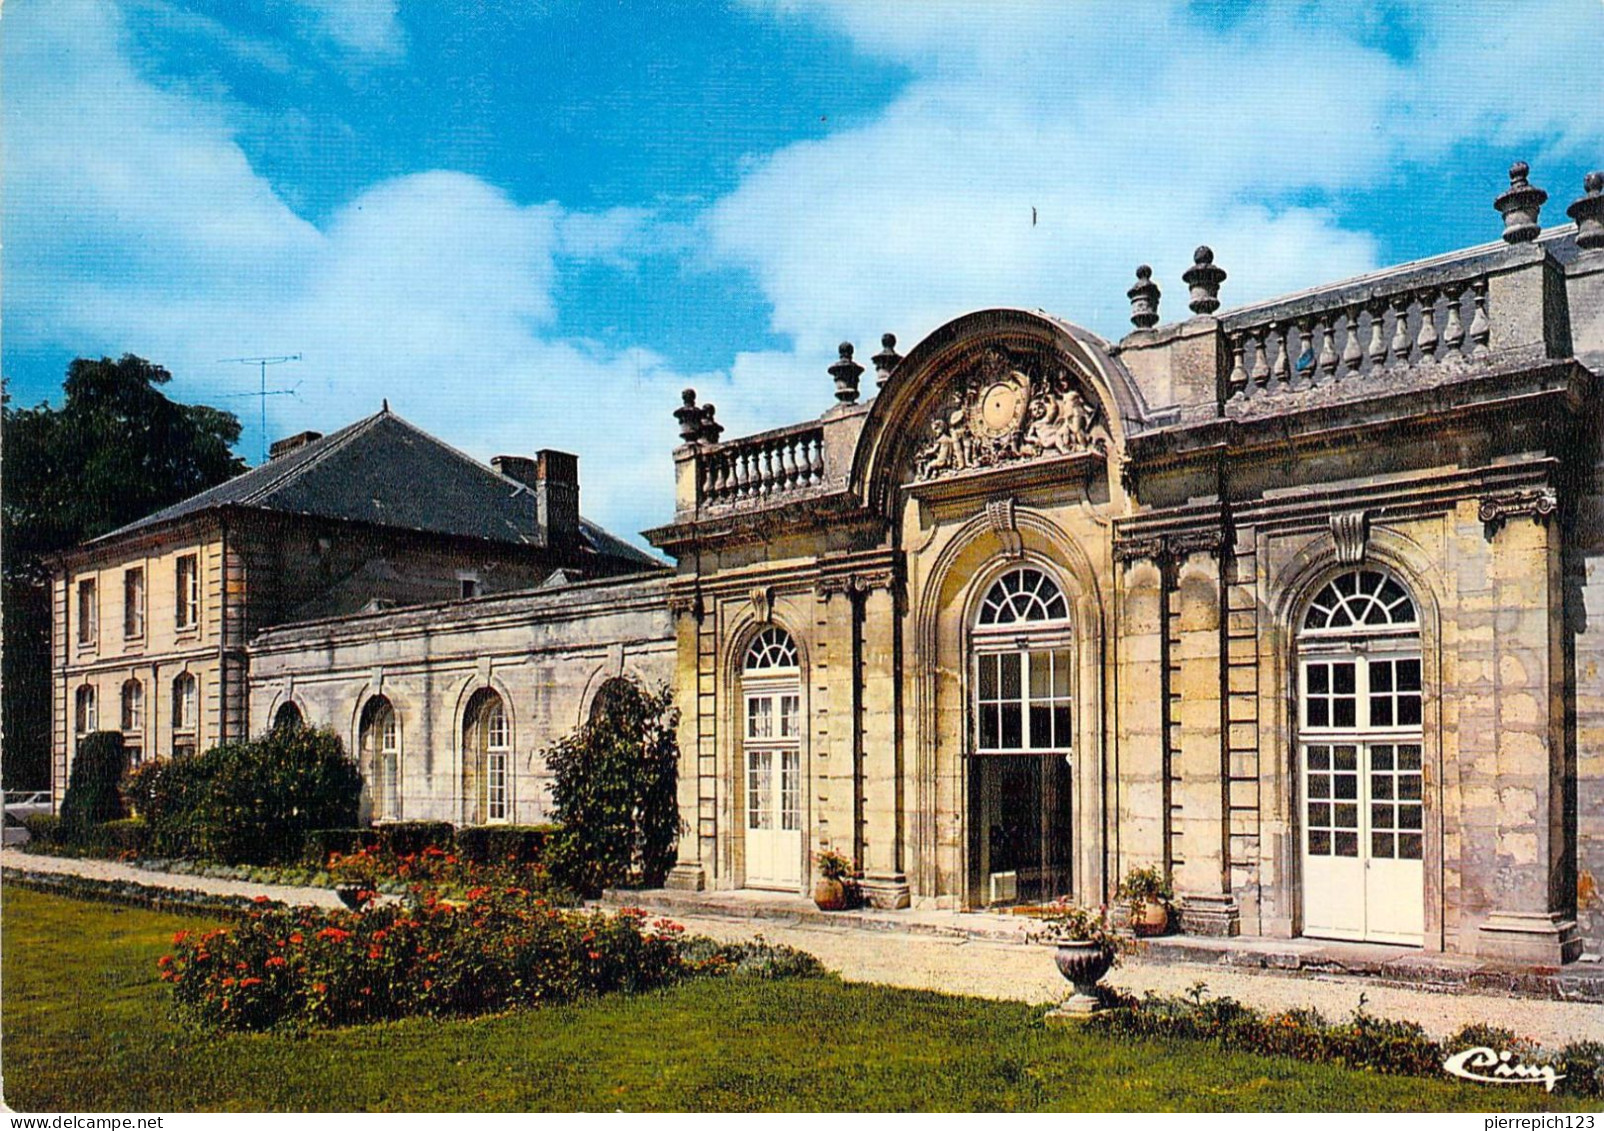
(994, 389)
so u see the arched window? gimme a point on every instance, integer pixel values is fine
(86, 714)
(1023, 663)
(288, 717)
(185, 713)
(379, 743)
(486, 760)
(771, 704)
(133, 720)
(1360, 731)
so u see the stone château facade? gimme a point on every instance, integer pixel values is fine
(1298, 601)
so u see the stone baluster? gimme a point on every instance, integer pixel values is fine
(726, 476)
(1352, 352)
(1378, 335)
(1426, 339)
(816, 460)
(743, 474)
(1238, 386)
(1281, 369)
(1259, 374)
(1453, 335)
(1326, 364)
(1303, 356)
(765, 457)
(1480, 328)
(1401, 341)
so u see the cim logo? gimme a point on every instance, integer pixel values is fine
(1489, 1067)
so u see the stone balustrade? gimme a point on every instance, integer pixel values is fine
(762, 467)
(1361, 337)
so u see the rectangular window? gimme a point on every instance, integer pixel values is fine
(760, 716)
(87, 712)
(1331, 696)
(496, 785)
(467, 587)
(759, 781)
(133, 706)
(88, 613)
(187, 590)
(790, 790)
(1023, 700)
(133, 603)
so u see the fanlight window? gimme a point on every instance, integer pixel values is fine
(772, 650)
(1364, 599)
(1023, 596)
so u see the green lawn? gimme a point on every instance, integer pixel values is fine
(87, 1027)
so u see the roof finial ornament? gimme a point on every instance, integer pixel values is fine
(1588, 212)
(689, 417)
(887, 360)
(1520, 206)
(846, 373)
(1144, 299)
(1204, 279)
(384, 405)
(711, 429)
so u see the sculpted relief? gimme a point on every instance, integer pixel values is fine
(1006, 411)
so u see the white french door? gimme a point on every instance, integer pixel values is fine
(773, 778)
(1362, 798)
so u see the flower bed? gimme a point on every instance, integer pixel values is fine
(129, 894)
(495, 949)
(1371, 1043)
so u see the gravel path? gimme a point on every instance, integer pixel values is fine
(1008, 971)
(1026, 973)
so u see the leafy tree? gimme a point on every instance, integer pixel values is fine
(614, 793)
(116, 450)
(92, 798)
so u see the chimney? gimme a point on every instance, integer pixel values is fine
(291, 444)
(557, 496)
(554, 479)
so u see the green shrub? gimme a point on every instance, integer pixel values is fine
(317, 845)
(1582, 1064)
(93, 796)
(249, 802)
(44, 830)
(407, 838)
(504, 844)
(614, 793)
(127, 837)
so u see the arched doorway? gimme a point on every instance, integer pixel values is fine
(379, 741)
(486, 760)
(1360, 746)
(1022, 663)
(771, 744)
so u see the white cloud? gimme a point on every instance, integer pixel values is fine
(367, 28)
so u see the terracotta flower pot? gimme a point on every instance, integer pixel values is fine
(830, 895)
(1151, 918)
(1083, 965)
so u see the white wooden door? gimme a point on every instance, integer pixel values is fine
(773, 774)
(1362, 800)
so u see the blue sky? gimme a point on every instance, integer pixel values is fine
(530, 224)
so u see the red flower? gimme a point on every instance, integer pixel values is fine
(261, 899)
(244, 982)
(375, 952)
(180, 937)
(334, 934)
(320, 987)
(165, 961)
(594, 955)
(297, 938)
(276, 960)
(228, 981)
(428, 984)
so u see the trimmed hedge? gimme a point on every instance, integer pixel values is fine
(407, 838)
(249, 802)
(44, 830)
(503, 844)
(317, 845)
(93, 796)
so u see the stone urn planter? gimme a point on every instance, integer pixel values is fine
(830, 895)
(1083, 964)
(1149, 918)
(354, 896)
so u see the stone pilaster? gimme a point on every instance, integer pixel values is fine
(698, 765)
(885, 880)
(1140, 776)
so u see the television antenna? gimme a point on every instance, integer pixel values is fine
(264, 392)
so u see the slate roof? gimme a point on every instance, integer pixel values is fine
(385, 471)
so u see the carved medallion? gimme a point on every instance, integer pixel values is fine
(1006, 410)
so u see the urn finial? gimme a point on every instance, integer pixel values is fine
(1144, 299)
(846, 373)
(711, 429)
(1588, 212)
(689, 417)
(887, 360)
(1204, 279)
(1520, 206)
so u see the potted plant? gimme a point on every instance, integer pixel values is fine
(1086, 949)
(830, 889)
(356, 877)
(1148, 894)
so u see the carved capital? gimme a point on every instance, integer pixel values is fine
(1206, 541)
(689, 602)
(1135, 549)
(855, 583)
(1351, 532)
(1537, 504)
